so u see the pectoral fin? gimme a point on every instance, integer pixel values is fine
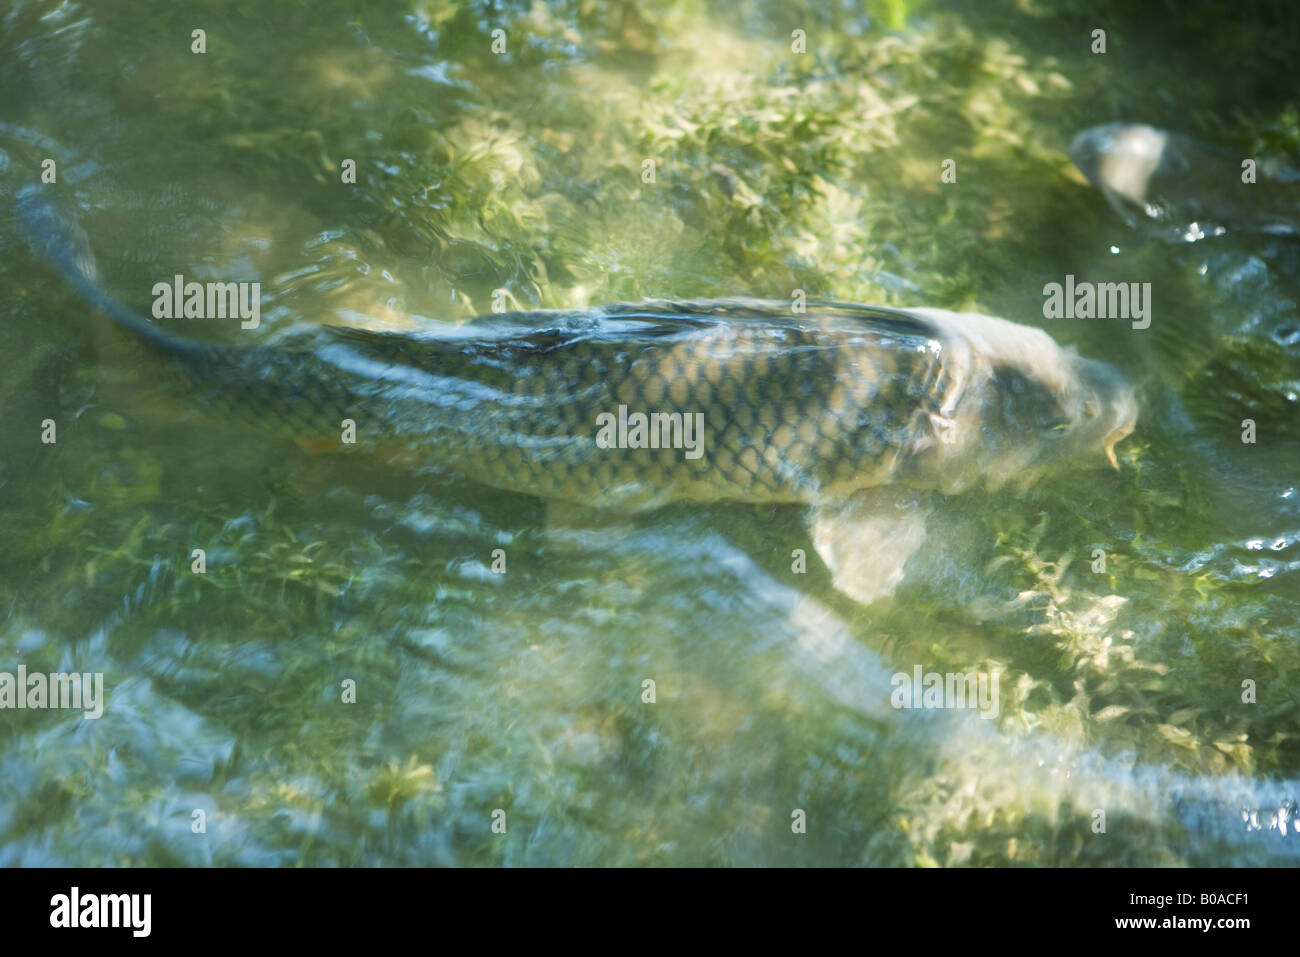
(866, 540)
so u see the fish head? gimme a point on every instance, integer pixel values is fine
(1039, 424)
(1182, 190)
(1099, 413)
(1121, 159)
(1032, 407)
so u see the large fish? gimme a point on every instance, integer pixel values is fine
(1184, 189)
(861, 413)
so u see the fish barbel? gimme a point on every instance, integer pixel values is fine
(817, 407)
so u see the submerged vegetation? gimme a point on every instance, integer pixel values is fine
(525, 171)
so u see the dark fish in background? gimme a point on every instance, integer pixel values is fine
(862, 413)
(1186, 189)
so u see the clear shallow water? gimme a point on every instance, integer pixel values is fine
(1119, 691)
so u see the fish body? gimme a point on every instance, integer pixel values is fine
(1184, 189)
(742, 400)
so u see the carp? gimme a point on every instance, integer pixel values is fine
(862, 414)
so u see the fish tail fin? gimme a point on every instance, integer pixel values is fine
(54, 235)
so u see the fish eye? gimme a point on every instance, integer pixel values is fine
(1091, 407)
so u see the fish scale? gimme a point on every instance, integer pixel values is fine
(793, 408)
(779, 425)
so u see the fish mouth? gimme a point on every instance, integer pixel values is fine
(1114, 438)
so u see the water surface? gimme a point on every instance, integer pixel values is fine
(522, 171)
